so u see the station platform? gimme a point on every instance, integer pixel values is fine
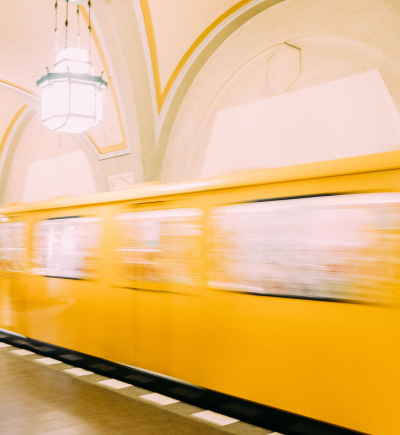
(42, 395)
(47, 389)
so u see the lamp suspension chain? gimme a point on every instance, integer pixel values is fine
(78, 39)
(66, 27)
(89, 28)
(56, 29)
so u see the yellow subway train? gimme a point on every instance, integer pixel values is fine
(279, 286)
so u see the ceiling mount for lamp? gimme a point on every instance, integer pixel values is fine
(72, 96)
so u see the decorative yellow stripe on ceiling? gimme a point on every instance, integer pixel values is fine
(161, 96)
(119, 146)
(10, 127)
(21, 88)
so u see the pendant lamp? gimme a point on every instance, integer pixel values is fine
(71, 95)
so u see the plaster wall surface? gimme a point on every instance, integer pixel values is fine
(337, 40)
(67, 174)
(343, 118)
(280, 48)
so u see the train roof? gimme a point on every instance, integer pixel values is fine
(149, 191)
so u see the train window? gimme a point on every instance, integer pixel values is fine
(68, 247)
(159, 245)
(342, 248)
(13, 246)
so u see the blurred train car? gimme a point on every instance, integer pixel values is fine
(278, 286)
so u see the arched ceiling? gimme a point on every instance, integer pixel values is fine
(27, 46)
(175, 29)
(161, 61)
(145, 48)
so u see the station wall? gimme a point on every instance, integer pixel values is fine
(178, 80)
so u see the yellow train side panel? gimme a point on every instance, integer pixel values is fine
(334, 362)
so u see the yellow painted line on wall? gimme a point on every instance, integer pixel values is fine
(123, 144)
(148, 22)
(161, 96)
(14, 85)
(105, 150)
(10, 127)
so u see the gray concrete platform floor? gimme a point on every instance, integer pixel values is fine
(35, 400)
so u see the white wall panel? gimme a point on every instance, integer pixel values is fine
(352, 116)
(68, 174)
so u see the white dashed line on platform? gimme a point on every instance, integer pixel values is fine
(22, 352)
(213, 417)
(113, 383)
(47, 361)
(156, 398)
(78, 372)
(159, 399)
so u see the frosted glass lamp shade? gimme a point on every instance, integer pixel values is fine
(74, 60)
(72, 98)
